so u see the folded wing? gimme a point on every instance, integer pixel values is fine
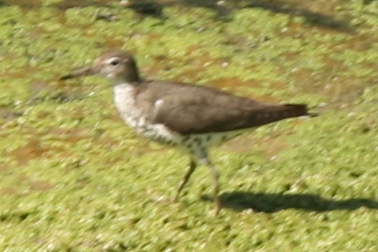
(199, 110)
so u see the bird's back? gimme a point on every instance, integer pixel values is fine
(193, 109)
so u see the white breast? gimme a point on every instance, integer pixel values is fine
(125, 104)
(133, 116)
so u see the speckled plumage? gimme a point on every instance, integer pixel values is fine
(188, 116)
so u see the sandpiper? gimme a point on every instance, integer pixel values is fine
(187, 116)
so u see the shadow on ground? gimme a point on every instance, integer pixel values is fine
(222, 9)
(311, 17)
(270, 203)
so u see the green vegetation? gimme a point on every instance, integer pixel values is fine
(73, 177)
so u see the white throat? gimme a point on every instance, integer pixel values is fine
(125, 103)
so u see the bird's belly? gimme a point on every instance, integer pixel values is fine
(210, 139)
(155, 132)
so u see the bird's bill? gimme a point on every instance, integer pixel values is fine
(79, 72)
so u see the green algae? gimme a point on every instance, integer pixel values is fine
(74, 177)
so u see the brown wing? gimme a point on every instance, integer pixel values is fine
(191, 109)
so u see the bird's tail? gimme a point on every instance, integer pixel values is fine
(276, 113)
(295, 110)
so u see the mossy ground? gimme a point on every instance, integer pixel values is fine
(73, 177)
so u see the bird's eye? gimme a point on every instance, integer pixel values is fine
(114, 61)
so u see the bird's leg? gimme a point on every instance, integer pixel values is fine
(192, 167)
(215, 175)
